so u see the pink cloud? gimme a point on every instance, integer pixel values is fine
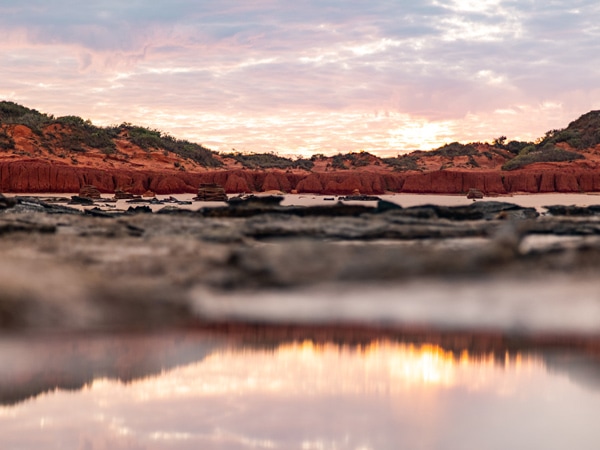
(267, 75)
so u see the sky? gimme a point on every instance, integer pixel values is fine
(308, 76)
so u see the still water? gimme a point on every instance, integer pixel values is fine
(192, 390)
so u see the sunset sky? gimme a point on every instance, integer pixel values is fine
(307, 76)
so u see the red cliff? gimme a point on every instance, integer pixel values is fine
(31, 175)
(62, 155)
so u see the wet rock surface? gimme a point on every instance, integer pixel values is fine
(63, 268)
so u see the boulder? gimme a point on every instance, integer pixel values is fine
(474, 194)
(90, 191)
(211, 192)
(79, 200)
(122, 195)
(6, 202)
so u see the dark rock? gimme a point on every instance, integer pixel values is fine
(7, 202)
(211, 192)
(253, 209)
(475, 211)
(384, 205)
(37, 204)
(122, 195)
(362, 198)
(139, 209)
(474, 194)
(54, 199)
(90, 191)
(571, 210)
(14, 226)
(503, 210)
(97, 212)
(78, 200)
(254, 201)
(174, 210)
(442, 212)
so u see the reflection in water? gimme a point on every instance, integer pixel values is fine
(384, 395)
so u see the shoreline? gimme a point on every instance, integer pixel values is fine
(523, 199)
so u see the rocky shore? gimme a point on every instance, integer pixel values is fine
(67, 269)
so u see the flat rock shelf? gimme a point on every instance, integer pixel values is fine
(490, 265)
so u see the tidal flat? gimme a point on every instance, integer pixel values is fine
(178, 326)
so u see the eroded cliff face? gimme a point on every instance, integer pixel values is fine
(31, 175)
(39, 162)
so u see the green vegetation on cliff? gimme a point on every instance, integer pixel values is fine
(404, 162)
(155, 140)
(78, 135)
(83, 134)
(269, 161)
(353, 159)
(581, 134)
(13, 113)
(547, 153)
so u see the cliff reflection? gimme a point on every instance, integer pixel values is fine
(381, 395)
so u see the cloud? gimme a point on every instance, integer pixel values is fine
(431, 63)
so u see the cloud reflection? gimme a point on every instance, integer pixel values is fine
(305, 395)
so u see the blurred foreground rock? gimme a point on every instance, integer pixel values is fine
(65, 269)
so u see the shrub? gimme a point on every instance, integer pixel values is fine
(14, 113)
(548, 153)
(455, 149)
(580, 134)
(516, 146)
(6, 141)
(145, 138)
(359, 159)
(338, 162)
(404, 162)
(473, 162)
(270, 161)
(84, 133)
(150, 140)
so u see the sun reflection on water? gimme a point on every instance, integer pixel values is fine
(307, 368)
(308, 395)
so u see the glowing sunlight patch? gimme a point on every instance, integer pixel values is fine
(311, 369)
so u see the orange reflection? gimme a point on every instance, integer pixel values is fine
(311, 369)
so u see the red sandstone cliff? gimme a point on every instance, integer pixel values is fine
(55, 158)
(28, 175)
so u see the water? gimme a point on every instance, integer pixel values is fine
(263, 388)
(530, 381)
(537, 201)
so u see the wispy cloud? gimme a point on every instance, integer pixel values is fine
(308, 76)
